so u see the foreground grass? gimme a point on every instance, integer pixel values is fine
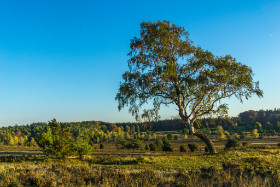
(241, 167)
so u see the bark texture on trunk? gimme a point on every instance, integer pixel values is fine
(201, 135)
(206, 140)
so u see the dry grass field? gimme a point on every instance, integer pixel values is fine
(257, 164)
(111, 149)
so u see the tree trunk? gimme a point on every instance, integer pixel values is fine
(202, 136)
(206, 140)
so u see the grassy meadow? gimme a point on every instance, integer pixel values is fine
(256, 164)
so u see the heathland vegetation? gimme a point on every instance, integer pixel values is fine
(128, 154)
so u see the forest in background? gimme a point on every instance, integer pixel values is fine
(267, 122)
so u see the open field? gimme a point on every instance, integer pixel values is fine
(110, 147)
(240, 167)
(257, 164)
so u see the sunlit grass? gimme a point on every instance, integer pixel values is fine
(140, 170)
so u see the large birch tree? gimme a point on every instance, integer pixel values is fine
(165, 68)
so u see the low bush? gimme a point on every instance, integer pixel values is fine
(83, 149)
(133, 144)
(147, 147)
(140, 159)
(193, 147)
(167, 146)
(101, 146)
(153, 147)
(169, 136)
(159, 143)
(183, 148)
(232, 142)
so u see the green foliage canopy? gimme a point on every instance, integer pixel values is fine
(165, 68)
(57, 142)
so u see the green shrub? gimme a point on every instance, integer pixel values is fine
(153, 147)
(83, 149)
(133, 144)
(147, 147)
(193, 147)
(58, 142)
(101, 146)
(169, 136)
(121, 144)
(244, 144)
(232, 142)
(183, 148)
(159, 143)
(82, 146)
(140, 159)
(167, 146)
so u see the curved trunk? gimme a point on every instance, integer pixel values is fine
(201, 135)
(206, 140)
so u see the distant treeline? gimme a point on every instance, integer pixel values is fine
(266, 121)
(248, 120)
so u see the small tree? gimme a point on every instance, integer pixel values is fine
(232, 142)
(82, 146)
(165, 68)
(221, 136)
(126, 135)
(258, 125)
(183, 148)
(159, 143)
(101, 146)
(147, 147)
(220, 129)
(255, 133)
(169, 136)
(57, 142)
(133, 144)
(153, 147)
(167, 146)
(193, 147)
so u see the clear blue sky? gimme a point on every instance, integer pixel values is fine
(64, 59)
